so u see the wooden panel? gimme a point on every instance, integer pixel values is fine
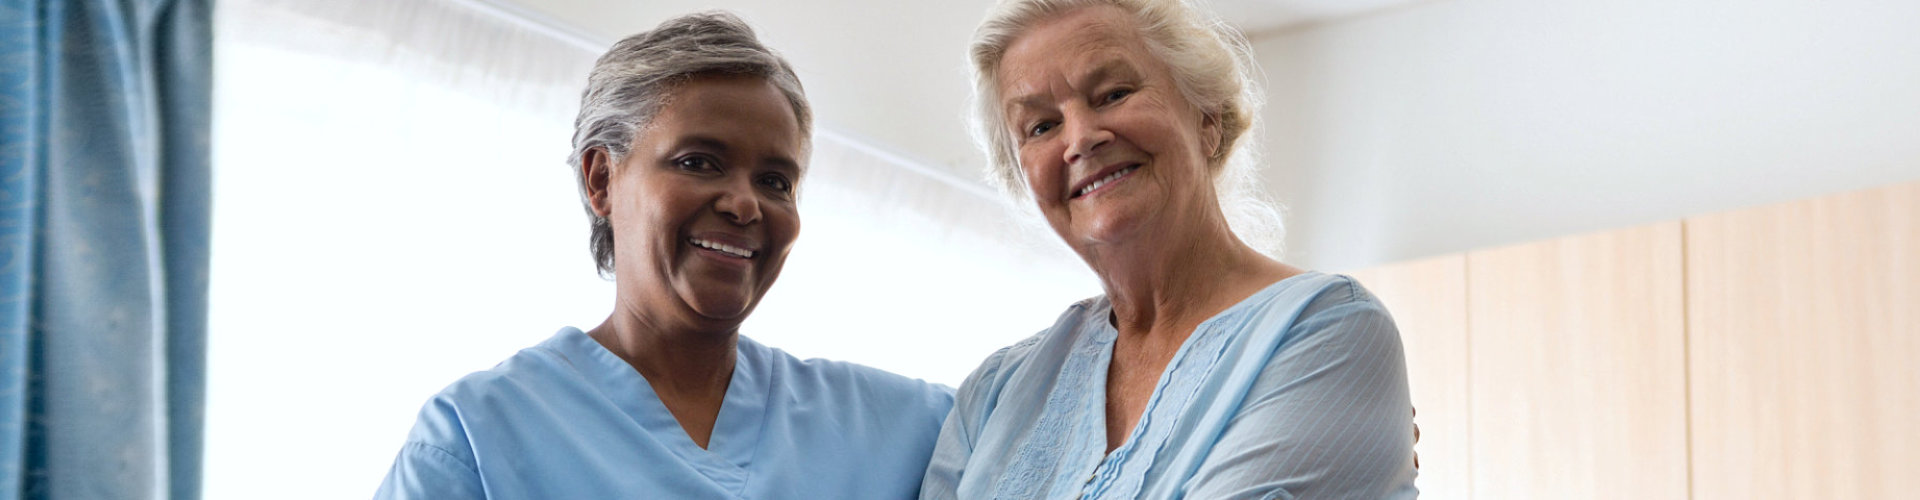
(1803, 320)
(1428, 300)
(1578, 383)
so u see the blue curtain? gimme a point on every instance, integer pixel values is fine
(104, 194)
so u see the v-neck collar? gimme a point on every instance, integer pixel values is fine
(1102, 336)
(728, 457)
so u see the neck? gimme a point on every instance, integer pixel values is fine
(687, 366)
(1165, 285)
(682, 363)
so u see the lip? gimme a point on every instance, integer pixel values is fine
(1101, 174)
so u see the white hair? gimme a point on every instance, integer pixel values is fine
(1211, 64)
(636, 78)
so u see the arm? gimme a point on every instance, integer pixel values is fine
(1326, 418)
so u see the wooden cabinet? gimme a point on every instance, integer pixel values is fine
(1578, 375)
(1770, 353)
(1804, 335)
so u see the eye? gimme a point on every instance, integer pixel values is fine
(696, 163)
(1115, 95)
(776, 182)
(1040, 128)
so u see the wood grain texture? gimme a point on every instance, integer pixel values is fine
(1578, 382)
(1428, 301)
(1803, 325)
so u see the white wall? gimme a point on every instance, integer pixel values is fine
(882, 72)
(1464, 124)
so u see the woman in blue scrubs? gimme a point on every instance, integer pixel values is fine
(689, 149)
(1208, 369)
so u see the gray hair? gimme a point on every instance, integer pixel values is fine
(637, 77)
(1212, 65)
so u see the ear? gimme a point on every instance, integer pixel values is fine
(1210, 135)
(596, 173)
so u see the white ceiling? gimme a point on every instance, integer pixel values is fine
(889, 73)
(1258, 18)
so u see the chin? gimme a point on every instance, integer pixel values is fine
(719, 302)
(735, 310)
(1114, 229)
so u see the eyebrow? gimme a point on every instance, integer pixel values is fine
(1107, 70)
(784, 164)
(720, 147)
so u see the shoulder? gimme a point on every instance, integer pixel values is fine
(817, 377)
(1051, 341)
(1316, 290)
(488, 397)
(1340, 289)
(530, 373)
(1315, 300)
(1327, 319)
(1039, 355)
(1339, 298)
(1303, 315)
(461, 428)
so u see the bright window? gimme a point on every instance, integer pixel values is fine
(391, 216)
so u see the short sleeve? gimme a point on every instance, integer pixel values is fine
(1328, 417)
(436, 462)
(423, 471)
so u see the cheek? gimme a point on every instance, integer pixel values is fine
(1174, 130)
(1041, 187)
(622, 206)
(653, 214)
(787, 230)
(1044, 176)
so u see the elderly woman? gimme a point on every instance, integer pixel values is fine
(1207, 370)
(690, 145)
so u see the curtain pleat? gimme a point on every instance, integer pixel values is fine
(106, 233)
(183, 58)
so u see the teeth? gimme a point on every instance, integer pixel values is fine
(1103, 181)
(723, 248)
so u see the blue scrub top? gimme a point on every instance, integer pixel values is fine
(1298, 391)
(569, 419)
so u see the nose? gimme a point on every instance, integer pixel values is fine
(1084, 133)
(738, 203)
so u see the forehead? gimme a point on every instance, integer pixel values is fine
(1070, 45)
(746, 112)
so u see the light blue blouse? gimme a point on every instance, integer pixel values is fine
(569, 419)
(1299, 391)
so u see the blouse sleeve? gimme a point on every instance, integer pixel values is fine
(954, 447)
(1328, 417)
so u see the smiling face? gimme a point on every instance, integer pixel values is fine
(703, 207)
(1110, 149)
